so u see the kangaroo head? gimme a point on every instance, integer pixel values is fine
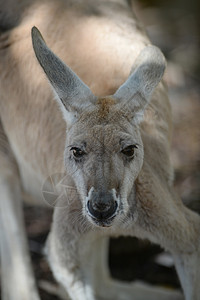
(104, 150)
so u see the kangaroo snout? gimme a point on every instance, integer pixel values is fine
(102, 206)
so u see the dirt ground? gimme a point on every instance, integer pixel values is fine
(175, 31)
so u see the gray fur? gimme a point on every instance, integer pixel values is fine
(70, 90)
(146, 74)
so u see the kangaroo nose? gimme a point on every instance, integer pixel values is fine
(101, 205)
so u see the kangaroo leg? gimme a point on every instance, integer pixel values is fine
(165, 220)
(187, 255)
(71, 264)
(187, 263)
(17, 278)
(108, 288)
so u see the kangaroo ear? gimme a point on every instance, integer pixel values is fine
(72, 94)
(147, 72)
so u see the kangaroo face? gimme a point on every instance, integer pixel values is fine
(104, 156)
(104, 151)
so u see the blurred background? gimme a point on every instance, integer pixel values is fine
(174, 26)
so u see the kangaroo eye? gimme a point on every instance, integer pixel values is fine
(129, 151)
(77, 152)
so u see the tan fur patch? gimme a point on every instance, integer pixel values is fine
(105, 104)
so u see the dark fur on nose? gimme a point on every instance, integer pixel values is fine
(102, 205)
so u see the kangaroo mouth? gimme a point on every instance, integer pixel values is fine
(103, 223)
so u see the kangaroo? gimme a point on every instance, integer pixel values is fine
(103, 120)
